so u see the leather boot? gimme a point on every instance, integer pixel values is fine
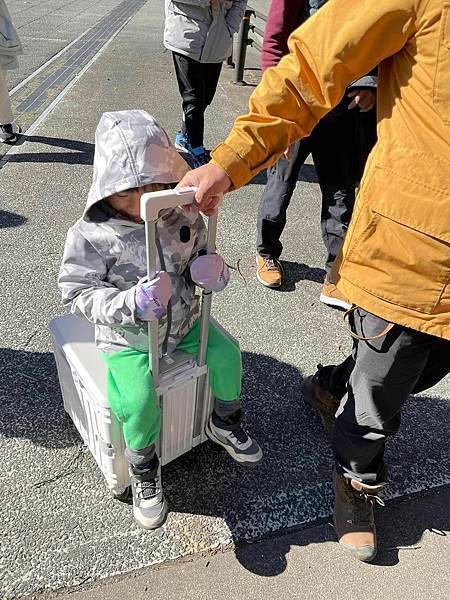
(353, 516)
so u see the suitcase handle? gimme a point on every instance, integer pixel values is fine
(151, 205)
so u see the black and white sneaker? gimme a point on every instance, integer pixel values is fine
(8, 133)
(236, 442)
(149, 505)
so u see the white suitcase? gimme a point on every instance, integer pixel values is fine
(181, 380)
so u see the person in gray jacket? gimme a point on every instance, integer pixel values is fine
(199, 34)
(103, 278)
(10, 48)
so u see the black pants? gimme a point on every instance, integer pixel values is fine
(373, 384)
(340, 145)
(197, 83)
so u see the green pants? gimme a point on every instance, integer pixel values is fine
(131, 393)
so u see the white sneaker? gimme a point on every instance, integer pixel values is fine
(237, 443)
(149, 505)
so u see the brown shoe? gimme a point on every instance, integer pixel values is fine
(269, 272)
(332, 296)
(322, 401)
(353, 516)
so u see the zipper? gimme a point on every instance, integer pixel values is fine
(162, 264)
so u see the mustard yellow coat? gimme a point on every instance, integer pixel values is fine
(396, 256)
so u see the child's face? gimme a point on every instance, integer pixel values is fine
(129, 202)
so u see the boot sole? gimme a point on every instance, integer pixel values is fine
(230, 449)
(354, 551)
(334, 302)
(267, 285)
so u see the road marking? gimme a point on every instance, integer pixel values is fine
(34, 98)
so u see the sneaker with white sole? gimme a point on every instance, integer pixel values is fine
(269, 271)
(182, 143)
(331, 296)
(237, 442)
(9, 133)
(149, 505)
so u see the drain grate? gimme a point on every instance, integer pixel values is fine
(33, 98)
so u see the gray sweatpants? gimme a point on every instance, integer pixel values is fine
(373, 384)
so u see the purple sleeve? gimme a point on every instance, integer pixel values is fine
(284, 16)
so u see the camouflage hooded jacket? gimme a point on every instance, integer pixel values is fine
(104, 256)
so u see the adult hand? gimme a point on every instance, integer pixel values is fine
(211, 182)
(152, 297)
(364, 99)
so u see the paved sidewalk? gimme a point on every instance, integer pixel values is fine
(58, 524)
(412, 565)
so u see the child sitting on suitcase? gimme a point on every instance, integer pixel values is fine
(103, 278)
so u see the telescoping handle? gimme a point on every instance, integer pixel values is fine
(151, 205)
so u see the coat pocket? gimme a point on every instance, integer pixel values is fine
(441, 84)
(399, 249)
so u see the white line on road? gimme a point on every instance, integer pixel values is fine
(16, 148)
(30, 77)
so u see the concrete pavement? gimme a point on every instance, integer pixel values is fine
(58, 525)
(412, 565)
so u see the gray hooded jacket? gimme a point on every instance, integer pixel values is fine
(105, 257)
(202, 29)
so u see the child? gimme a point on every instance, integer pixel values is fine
(199, 34)
(103, 278)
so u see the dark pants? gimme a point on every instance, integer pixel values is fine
(373, 384)
(340, 145)
(197, 83)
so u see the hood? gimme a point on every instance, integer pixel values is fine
(131, 150)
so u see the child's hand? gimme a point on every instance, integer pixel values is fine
(211, 272)
(152, 297)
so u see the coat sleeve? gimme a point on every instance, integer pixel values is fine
(284, 16)
(327, 53)
(234, 15)
(84, 289)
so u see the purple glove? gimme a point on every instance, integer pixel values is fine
(152, 297)
(211, 272)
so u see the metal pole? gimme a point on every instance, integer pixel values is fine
(206, 296)
(242, 48)
(153, 326)
(202, 391)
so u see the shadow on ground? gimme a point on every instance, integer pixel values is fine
(30, 400)
(82, 153)
(400, 526)
(294, 272)
(289, 489)
(10, 219)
